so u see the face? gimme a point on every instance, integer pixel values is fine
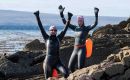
(80, 22)
(53, 31)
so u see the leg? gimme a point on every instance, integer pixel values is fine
(60, 67)
(81, 58)
(47, 70)
(72, 61)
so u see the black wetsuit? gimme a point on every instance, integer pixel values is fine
(52, 59)
(79, 51)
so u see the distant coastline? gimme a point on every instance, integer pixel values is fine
(26, 20)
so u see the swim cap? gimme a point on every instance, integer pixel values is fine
(80, 18)
(52, 27)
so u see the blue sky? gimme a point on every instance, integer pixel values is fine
(78, 7)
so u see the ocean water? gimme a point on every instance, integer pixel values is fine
(12, 41)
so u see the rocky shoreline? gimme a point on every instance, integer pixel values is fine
(110, 59)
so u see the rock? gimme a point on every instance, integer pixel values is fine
(111, 57)
(121, 28)
(128, 27)
(84, 77)
(114, 69)
(35, 45)
(97, 74)
(52, 78)
(21, 68)
(71, 77)
(110, 69)
(122, 24)
(38, 59)
(92, 69)
(76, 74)
(119, 57)
(126, 76)
(126, 61)
(107, 40)
(117, 78)
(126, 54)
(2, 76)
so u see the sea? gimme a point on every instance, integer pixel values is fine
(12, 41)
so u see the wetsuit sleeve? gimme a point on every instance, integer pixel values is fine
(95, 23)
(44, 34)
(73, 27)
(63, 20)
(62, 34)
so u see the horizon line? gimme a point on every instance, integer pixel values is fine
(57, 13)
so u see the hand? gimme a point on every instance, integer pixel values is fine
(36, 13)
(69, 15)
(61, 9)
(96, 10)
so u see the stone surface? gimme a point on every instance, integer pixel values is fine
(114, 69)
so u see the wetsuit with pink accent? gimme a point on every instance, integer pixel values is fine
(79, 51)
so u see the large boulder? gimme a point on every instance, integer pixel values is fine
(35, 45)
(21, 67)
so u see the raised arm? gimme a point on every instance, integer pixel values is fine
(44, 34)
(96, 10)
(61, 9)
(62, 34)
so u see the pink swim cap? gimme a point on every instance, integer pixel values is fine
(80, 18)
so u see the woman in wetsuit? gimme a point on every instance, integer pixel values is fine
(52, 42)
(81, 33)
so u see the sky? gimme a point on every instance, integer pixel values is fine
(119, 8)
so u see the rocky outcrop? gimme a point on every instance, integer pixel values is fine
(107, 39)
(19, 64)
(12, 67)
(35, 45)
(115, 67)
(128, 27)
(121, 28)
